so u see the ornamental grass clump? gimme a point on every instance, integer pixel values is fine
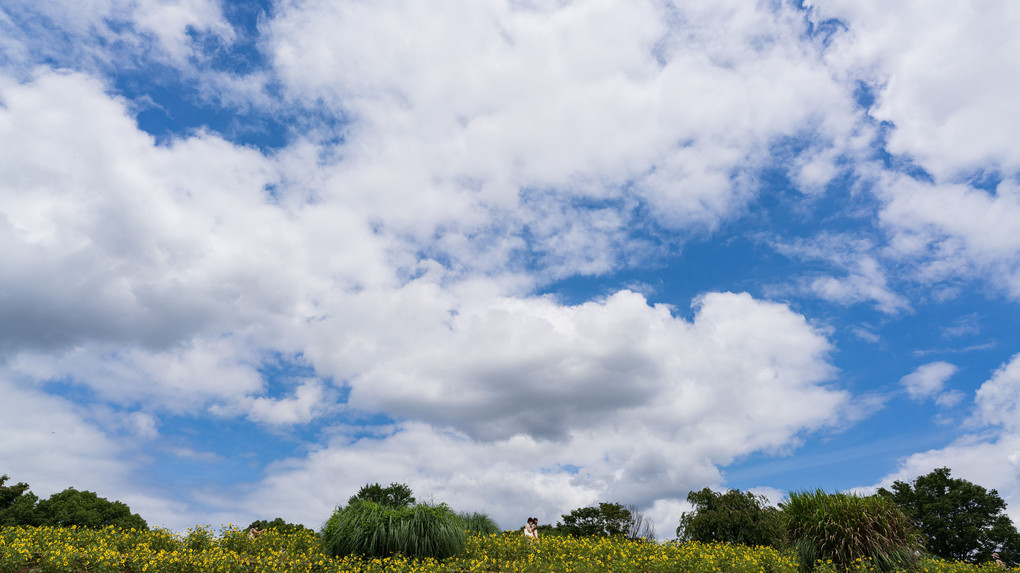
(369, 529)
(480, 524)
(844, 529)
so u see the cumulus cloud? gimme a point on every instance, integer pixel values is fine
(485, 104)
(942, 73)
(473, 152)
(954, 231)
(527, 403)
(990, 456)
(928, 380)
(998, 399)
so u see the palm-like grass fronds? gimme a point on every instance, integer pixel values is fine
(370, 529)
(479, 523)
(844, 527)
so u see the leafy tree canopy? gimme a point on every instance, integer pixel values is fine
(395, 495)
(86, 509)
(279, 525)
(17, 504)
(10, 493)
(960, 520)
(731, 517)
(606, 519)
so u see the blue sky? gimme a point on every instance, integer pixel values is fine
(522, 256)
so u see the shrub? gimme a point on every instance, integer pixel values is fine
(479, 523)
(199, 538)
(278, 524)
(393, 495)
(845, 528)
(731, 517)
(86, 509)
(373, 530)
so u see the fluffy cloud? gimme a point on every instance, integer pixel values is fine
(160, 277)
(524, 403)
(474, 152)
(998, 399)
(944, 75)
(486, 105)
(62, 30)
(990, 456)
(954, 231)
(928, 380)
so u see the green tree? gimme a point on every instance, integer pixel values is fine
(17, 504)
(394, 495)
(86, 509)
(960, 520)
(731, 517)
(279, 525)
(608, 519)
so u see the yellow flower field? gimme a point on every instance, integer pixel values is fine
(71, 550)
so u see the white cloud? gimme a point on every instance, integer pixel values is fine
(310, 400)
(992, 464)
(508, 392)
(998, 399)
(66, 31)
(865, 275)
(515, 144)
(485, 104)
(52, 444)
(179, 380)
(954, 231)
(928, 380)
(944, 73)
(990, 457)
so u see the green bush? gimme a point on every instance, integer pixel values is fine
(731, 517)
(86, 509)
(199, 538)
(479, 523)
(278, 524)
(845, 528)
(369, 529)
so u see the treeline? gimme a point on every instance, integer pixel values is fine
(604, 519)
(934, 515)
(19, 506)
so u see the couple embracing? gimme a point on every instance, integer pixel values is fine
(531, 529)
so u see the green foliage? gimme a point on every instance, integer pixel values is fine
(199, 538)
(86, 509)
(479, 523)
(277, 524)
(110, 550)
(393, 495)
(17, 504)
(845, 528)
(731, 517)
(960, 520)
(608, 519)
(371, 529)
(10, 493)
